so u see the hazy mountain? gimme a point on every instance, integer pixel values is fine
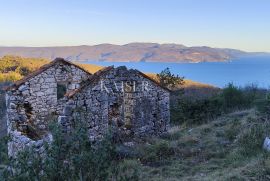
(135, 52)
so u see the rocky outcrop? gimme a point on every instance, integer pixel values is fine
(266, 144)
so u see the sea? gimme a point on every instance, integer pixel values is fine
(241, 72)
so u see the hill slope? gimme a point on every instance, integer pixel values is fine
(228, 148)
(135, 52)
(13, 68)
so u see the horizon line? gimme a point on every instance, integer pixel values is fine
(124, 44)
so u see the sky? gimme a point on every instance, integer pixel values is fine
(239, 24)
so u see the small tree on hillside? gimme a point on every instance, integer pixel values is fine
(232, 97)
(169, 80)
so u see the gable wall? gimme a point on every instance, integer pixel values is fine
(136, 113)
(36, 99)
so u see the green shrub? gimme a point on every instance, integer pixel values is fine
(263, 106)
(156, 152)
(27, 166)
(241, 98)
(231, 98)
(196, 112)
(69, 157)
(167, 79)
(3, 151)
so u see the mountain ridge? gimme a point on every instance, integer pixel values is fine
(132, 52)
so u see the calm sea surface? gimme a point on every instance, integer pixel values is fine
(241, 72)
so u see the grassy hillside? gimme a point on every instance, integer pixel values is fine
(192, 89)
(228, 148)
(13, 68)
(187, 82)
(89, 67)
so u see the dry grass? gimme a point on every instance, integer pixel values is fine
(13, 68)
(90, 67)
(209, 152)
(192, 89)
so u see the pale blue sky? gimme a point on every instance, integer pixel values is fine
(241, 24)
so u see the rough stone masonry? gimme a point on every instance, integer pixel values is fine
(128, 101)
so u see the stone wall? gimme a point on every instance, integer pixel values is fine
(32, 105)
(3, 123)
(123, 99)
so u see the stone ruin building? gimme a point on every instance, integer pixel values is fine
(127, 100)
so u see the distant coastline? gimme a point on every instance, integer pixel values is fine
(241, 72)
(133, 52)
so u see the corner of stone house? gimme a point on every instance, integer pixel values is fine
(19, 141)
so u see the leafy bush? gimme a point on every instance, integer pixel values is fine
(232, 98)
(27, 166)
(167, 79)
(263, 106)
(196, 112)
(252, 93)
(69, 157)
